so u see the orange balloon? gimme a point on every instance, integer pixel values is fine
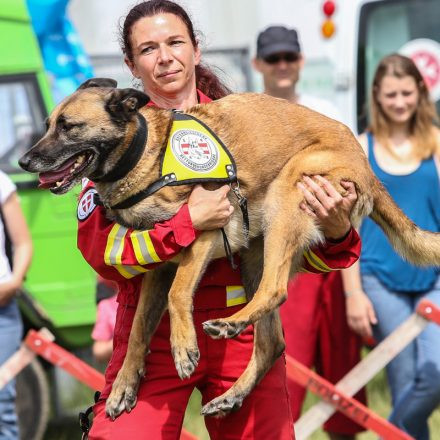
(328, 28)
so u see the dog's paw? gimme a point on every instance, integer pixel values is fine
(218, 328)
(124, 394)
(221, 406)
(186, 360)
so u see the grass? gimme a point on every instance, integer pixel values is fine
(66, 428)
(378, 400)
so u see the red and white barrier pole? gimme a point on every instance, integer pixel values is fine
(340, 401)
(41, 343)
(362, 373)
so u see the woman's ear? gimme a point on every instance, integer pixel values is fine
(197, 55)
(132, 67)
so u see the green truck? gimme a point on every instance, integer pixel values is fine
(59, 291)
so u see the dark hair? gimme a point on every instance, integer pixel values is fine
(422, 130)
(206, 80)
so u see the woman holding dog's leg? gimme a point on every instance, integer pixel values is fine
(401, 144)
(161, 49)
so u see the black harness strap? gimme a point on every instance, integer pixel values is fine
(131, 155)
(148, 191)
(83, 417)
(228, 250)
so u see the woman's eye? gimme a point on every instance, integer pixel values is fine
(176, 42)
(147, 49)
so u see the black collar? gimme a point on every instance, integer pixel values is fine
(131, 155)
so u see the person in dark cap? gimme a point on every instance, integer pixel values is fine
(279, 59)
(319, 335)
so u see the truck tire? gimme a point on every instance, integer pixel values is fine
(33, 402)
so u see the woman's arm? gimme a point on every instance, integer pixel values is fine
(360, 311)
(22, 247)
(107, 245)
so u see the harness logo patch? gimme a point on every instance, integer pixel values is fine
(86, 204)
(194, 150)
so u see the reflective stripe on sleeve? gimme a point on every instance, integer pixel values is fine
(315, 261)
(113, 253)
(235, 295)
(144, 248)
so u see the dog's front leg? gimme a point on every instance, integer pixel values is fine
(151, 306)
(183, 336)
(268, 346)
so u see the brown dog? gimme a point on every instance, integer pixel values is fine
(274, 144)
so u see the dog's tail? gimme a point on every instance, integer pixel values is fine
(416, 245)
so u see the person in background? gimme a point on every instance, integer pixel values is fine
(314, 316)
(402, 144)
(14, 236)
(104, 327)
(161, 50)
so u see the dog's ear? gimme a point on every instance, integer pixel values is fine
(98, 82)
(123, 103)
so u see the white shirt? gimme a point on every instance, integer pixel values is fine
(7, 187)
(320, 105)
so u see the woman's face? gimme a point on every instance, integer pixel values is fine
(398, 98)
(164, 57)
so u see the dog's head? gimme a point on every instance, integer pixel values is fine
(81, 133)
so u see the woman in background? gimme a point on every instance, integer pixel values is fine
(13, 233)
(401, 143)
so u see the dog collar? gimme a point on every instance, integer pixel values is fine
(194, 154)
(131, 155)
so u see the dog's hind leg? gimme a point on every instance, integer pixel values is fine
(151, 306)
(268, 346)
(193, 261)
(268, 338)
(288, 232)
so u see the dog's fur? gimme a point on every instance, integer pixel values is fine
(274, 144)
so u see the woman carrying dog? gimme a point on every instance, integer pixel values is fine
(161, 50)
(401, 144)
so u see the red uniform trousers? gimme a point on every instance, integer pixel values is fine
(317, 334)
(163, 396)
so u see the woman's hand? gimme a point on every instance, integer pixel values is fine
(209, 209)
(325, 204)
(7, 290)
(360, 313)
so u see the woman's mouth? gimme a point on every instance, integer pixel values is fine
(168, 73)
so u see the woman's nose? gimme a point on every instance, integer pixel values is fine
(164, 54)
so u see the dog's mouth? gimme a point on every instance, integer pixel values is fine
(67, 174)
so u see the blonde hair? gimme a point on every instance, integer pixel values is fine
(423, 132)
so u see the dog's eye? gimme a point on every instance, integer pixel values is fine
(46, 123)
(67, 127)
(63, 125)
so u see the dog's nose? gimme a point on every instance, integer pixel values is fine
(24, 161)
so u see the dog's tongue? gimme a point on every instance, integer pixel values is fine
(49, 178)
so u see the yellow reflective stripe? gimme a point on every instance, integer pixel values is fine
(304, 270)
(311, 258)
(130, 271)
(319, 261)
(144, 248)
(313, 263)
(114, 246)
(113, 253)
(235, 295)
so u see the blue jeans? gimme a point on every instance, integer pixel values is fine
(414, 374)
(11, 330)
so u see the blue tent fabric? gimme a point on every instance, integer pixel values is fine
(64, 57)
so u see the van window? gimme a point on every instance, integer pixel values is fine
(21, 118)
(385, 27)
